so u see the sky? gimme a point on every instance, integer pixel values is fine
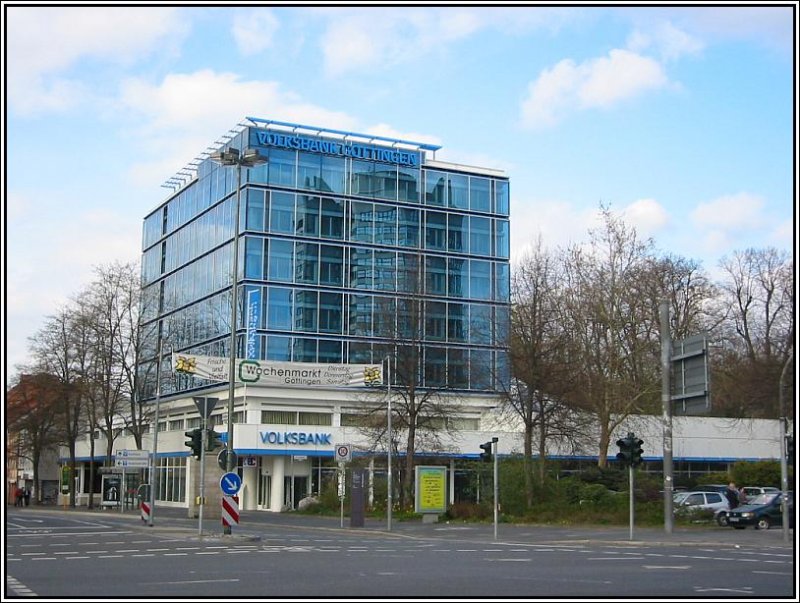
(679, 119)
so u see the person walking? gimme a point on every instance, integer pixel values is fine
(18, 496)
(27, 496)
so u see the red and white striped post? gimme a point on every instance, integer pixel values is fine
(145, 507)
(230, 510)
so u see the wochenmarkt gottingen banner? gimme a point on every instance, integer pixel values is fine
(264, 372)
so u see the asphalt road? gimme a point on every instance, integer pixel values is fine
(53, 553)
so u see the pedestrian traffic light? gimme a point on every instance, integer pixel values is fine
(213, 441)
(195, 441)
(486, 455)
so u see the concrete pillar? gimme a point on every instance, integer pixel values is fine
(249, 496)
(277, 474)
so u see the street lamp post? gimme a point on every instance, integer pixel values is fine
(389, 446)
(249, 158)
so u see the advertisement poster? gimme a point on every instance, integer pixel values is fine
(430, 489)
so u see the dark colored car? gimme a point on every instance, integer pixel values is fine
(762, 512)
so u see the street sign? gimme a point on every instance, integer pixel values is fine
(139, 459)
(230, 483)
(343, 453)
(133, 454)
(205, 405)
(132, 463)
(222, 458)
(690, 390)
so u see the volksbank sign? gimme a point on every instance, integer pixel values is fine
(332, 147)
(295, 437)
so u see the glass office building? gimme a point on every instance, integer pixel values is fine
(349, 245)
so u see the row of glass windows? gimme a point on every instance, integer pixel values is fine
(326, 174)
(378, 223)
(284, 309)
(282, 260)
(291, 417)
(440, 366)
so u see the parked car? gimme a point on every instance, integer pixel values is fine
(692, 502)
(752, 491)
(762, 512)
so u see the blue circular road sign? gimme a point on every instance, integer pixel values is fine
(230, 483)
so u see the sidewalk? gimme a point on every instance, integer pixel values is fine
(254, 524)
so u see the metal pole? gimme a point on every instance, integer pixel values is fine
(153, 465)
(784, 461)
(630, 502)
(204, 443)
(495, 489)
(389, 445)
(666, 409)
(232, 352)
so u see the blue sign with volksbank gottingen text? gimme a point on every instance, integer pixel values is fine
(343, 149)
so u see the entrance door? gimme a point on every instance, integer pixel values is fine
(264, 489)
(293, 493)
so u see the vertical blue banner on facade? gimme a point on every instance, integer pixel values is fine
(253, 314)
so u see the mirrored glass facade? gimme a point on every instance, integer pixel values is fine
(347, 247)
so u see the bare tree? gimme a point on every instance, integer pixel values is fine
(612, 330)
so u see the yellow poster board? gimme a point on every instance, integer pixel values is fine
(430, 489)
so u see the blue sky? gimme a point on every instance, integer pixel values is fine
(680, 119)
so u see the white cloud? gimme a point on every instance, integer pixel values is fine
(44, 43)
(729, 212)
(168, 119)
(647, 216)
(253, 30)
(665, 39)
(600, 82)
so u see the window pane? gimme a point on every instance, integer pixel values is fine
(457, 368)
(385, 179)
(361, 222)
(435, 366)
(279, 309)
(385, 270)
(281, 260)
(281, 218)
(408, 184)
(435, 230)
(308, 171)
(435, 188)
(480, 273)
(459, 191)
(331, 267)
(255, 210)
(329, 351)
(480, 323)
(333, 175)
(304, 349)
(408, 231)
(502, 282)
(457, 232)
(501, 197)
(480, 369)
(332, 226)
(456, 322)
(409, 273)
(362, 180)
(479, 194)
(281, 167)
(501, 238)
(305, 311)
(435, 320)
(385, 224)
(307, 216)
(360, 268)
(435, 276)
(360, 315)
(254, 257)
(330, 313)
(307, 263)
(457, 277)
(480, 236)
(279, 348)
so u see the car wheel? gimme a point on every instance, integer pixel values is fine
(762, 523)
(722, 519)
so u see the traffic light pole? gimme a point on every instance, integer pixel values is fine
(666, 409)
(204, 443)
(630, 502)
(495, 494)
(784, 432)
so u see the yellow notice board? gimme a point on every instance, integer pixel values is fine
(430, 489)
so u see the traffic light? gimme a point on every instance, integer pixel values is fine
(630, 450)
(213, 441)
(625, 454)
(486, 455)
(636, 450)
(790, 449)
(195, 441)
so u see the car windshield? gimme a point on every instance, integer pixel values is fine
(761, 499)
(679, 497)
